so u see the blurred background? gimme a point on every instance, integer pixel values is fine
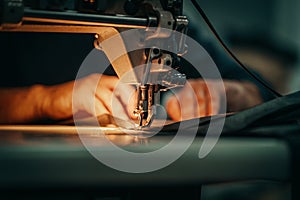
(264, 35)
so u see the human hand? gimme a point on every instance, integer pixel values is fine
(197, 100)
(241, 95)
(93, 95)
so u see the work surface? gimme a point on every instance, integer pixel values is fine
(57, 158)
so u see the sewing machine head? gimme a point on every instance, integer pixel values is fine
(152, 17)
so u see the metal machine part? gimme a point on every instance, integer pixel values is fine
(157, 77)
(103, 18)
(147, 93)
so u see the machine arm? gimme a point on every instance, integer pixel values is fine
(103, 18)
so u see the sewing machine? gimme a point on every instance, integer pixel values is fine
(52, 162)
(106, 19)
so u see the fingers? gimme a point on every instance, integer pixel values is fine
(203, 99)
(216, 96)
(183, 105)
(173, 108)
(100, 109)
(197, 99)
(99, 94)
(208, 96)
(241, 95)
(112, 103)
(127, 96)
(109, 82)
(189, 103)
(117, 98)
